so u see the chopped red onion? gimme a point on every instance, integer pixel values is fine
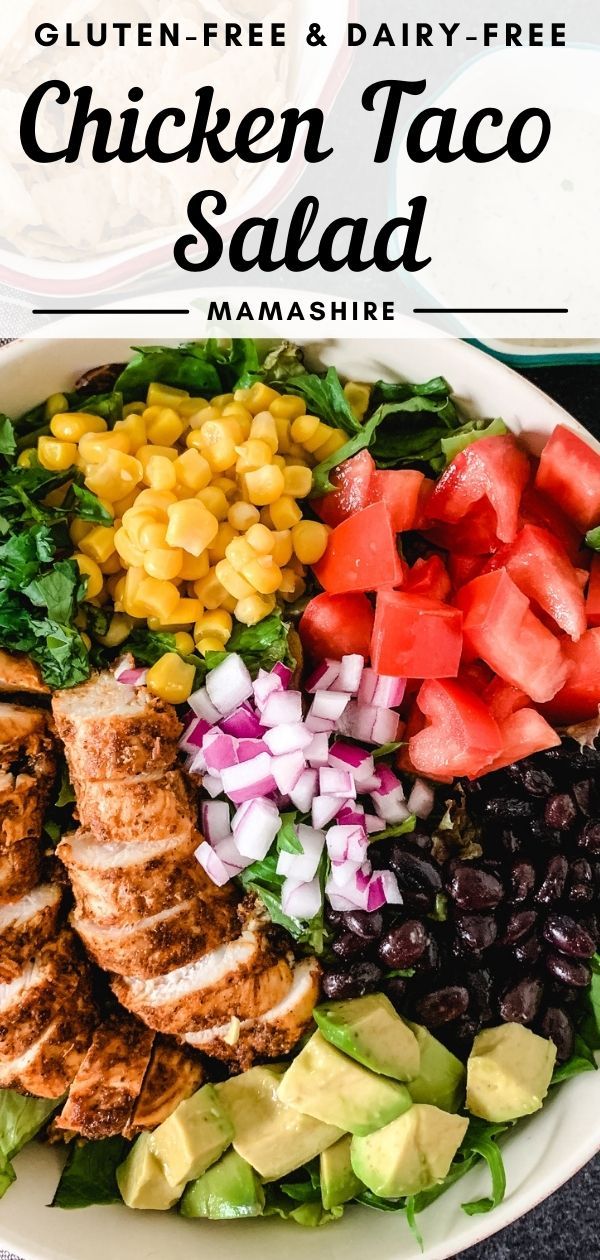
(229, 684)
(347, 843)
(348, 757)
(317, 752)
(196, 763)
(421, 799)
(333, 782)
(303, 866)
(389, 691)
(249, 748)
(264, 686)
(289, 737)
(392, 892)
(343, 872)
(283, 672)
(131, 677)
(249, 779)
(329, 704)
(282, 707)
(368, 683)
(220, 753)
(303, 792)
(358, 720)
(256, 830)
(372, 824)
(243, 724)
(351, 815)
(215, 821)
(349, 677)
(212, 783)
(300, 900)
(201, 704)
(319, 725)
(324, 808)
(227, 850)
(286, 771)
(324, 676)
(385, 726)
(215, 868)
(194, 733)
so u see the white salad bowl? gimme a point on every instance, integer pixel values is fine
(543, 1152)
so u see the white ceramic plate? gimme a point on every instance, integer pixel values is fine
(543, 1153)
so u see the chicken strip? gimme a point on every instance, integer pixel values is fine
(28, 1003)
(139, 808)
(19, 867)
(273, 1033)
(113, 731)
(149, 947)
(104, 1092)
(19, 673)
(48, 1066)
(174, 1073)
(26, 925)
(26, 741)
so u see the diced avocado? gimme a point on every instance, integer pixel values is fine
(508, 1072)
(369, 1030)
(441, 1079)
(141, 1179)
(339, 1182)
(271, 1137)
(192, 1137)
(411, 1154)
(230, 1188)
(324, 1083)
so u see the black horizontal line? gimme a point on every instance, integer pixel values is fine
(72, 310)
(490, 310)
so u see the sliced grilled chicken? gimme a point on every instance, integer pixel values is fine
(29, 1002)
(19, 867)
(26, 741)
(112, 731)
(174, 1073)
(26, 925)
(109, 1080)
(149, 947)
(18, 673)
(140, 808)
(48, 1066)
(274, 1033)
(118, 883)
(243, 978)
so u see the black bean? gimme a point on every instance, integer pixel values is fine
(522, 881)
(442, 1005)
(589, 837)
(404, 944)
(475, 889)
(584, 795)
(334, 917)
(519, 924)
(395, 989)
(476, 931)
(557, 1025)
(431, 958)
(561, 931)
(538, 833)
(580, 894)
(460, 1035)
(352, 981)
(592, 925)
(568, 970)
(528, 952)
(555, 878)
(419, 879)
(560, 811)
(537, 782)
(510, 841)
(480, 986)
(521, 1003)
(348, 946)
(580, 871)
(564, 994)
(366, 924)
(420, 841)
(509, 809)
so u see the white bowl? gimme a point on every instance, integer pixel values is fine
(542, 1154)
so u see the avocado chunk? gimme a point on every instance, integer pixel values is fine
(192, 1137)
(324, 1083)
(141, 1179)
(441, 1078)
(228, 1189)
(369, 1030)
(411, 1154)
(270, 1136)
(508, 1072)
(339, 1182)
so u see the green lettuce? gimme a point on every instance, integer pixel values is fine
(20, 1119)
(89, 1175)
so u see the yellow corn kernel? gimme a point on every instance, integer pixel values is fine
(115, 477)
(163, 562)
(129, 553)
(134, 521)
(265, 485)
(282, 546)
(128, 596)
(54, 455)
(54, 404)
(188, 407)
(134, 426)
(334, 443)
(204, 416)
(28, 458)
(251, 455)
(119, 629)
(151, 450)
(260, 539)
(228, 602)
(191, 526)
(231, 582)
(241, 414)
(160, 395)
(227, 485)
(86, 640)
(209, 644)
(133, 409)
(291, 590)
(160, 474)
(287, 407)
(285, 513)
(112, 565)
(99, 543)
(279, 462)
(243, 515)
(321, 434)
(282, 428)
(192, 470)
(266, 518)
(70, 426)
(93, 447)
(297, 454)
(122, 505)
(194, 567)
(158, 597)
(253, 608)
(187, 612)
(214, 501)
(241, 396)
(357, 396)
(78, 530)
(218, 623)
(217, 445)
(89, 569)
(157, 502)
(309, 540)
(166, 429)
(171, 678)
(224, 535)
(263, 574)
(209, 590)
(239, 552)
(221, 400)
(264, 429)
(184, 642)
(260, 397)
(116, 588)
(297, 481)
(304, 429)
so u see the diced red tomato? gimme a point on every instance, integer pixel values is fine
(415, 637)
(494, 469)
(500, 627)
(400, 491)
(425, 493)
(336, 626)
(475, 535)
(415, 722)
(476, 675)
(503, 699)
(428, 577)
(579, 698)
(592, 603)
(361, 554)
(523, 733)
(462, 737)
(352, 480)
(541, 569)
(569, 472)
(537, 509)
(463, 568)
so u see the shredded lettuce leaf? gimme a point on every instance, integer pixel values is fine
(20, 1119)
(89, 1175)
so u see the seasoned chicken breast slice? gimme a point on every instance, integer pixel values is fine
(26, 741)
(173, 1074)
(19, 673)
(30, 1001)
(112, 731)
(48, 1066)
(138, 808)
(26, 925)
(22, 804)
(20, 863)
(105, 1089)
(273, 1033)
(169, 939)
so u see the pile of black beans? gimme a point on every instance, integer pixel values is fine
(507, 936)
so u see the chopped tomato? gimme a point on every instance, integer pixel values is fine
(494, 469)
(476, 675)
(415, 722)
(541, 569)
(351, 479)
(400, 491)
(463, 568)
(503, 699)
(500, 627)
(475, 535)
(361, 554)
(415, 637)
(336, 626)
(523, 733)
(592, 603)
(461, 738)
(569, 471)
(579, 698)
(537, 509)
(428, 577)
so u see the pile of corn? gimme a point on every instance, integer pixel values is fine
(207, 524)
